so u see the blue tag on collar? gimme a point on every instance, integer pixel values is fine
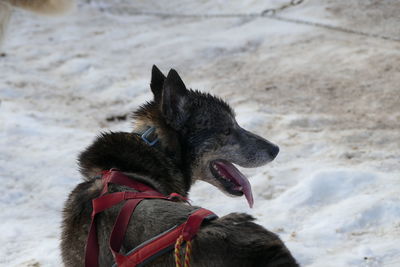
(146, 134)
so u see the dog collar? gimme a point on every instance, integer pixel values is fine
(145, 136)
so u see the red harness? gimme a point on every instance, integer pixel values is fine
(150, 249)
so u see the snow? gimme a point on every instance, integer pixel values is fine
(330, 100)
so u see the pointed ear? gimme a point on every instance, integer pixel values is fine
(174, 100)
(157, 83)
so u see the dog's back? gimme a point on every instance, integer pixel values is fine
(233, 240)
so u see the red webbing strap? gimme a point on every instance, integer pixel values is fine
(117, 177)
(193, 223)
(119, 229)
(100, 204)
(106, 201)
(176, 196)
(152, 248)
(92, 245)
(188, 229)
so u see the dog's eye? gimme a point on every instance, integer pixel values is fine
(227, 131)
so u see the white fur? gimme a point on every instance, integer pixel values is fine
(39, 6)
(43, 6)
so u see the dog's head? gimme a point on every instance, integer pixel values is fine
(210, 140)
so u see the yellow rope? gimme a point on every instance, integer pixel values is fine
(187, 253)
(177, 252)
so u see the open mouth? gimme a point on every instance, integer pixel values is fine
(232, 179)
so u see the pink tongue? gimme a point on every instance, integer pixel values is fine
(238, 178)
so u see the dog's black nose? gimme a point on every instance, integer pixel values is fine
(273, 151)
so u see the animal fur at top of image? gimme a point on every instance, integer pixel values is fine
(189, 136)
(37, 6)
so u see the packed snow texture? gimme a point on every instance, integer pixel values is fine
(329, 99)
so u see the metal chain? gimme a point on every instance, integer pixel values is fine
(335, 28)
(273, 11)
(270, 13)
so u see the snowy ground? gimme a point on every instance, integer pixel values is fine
(331, 100)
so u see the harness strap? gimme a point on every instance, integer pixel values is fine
(163, 242)
(92, 247)
(190, 228)
(149, 249)
(105, 202)
(120, 226)
(116, 177)
(193, 223)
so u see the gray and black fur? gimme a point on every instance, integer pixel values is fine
(193, 129)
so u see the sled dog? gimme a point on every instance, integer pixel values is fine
(179, 137)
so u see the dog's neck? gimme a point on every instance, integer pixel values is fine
(149, 116)
(168, 142)
(163, 163)
(128, 153)
(161, 138)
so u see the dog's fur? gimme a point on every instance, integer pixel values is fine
(37, 6)
(194, 129)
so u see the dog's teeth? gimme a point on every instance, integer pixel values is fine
(238, 188)
(219, 172)
(225, 178)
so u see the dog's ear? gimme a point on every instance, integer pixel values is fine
(174, 100)
(157, 82)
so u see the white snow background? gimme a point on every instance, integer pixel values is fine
(329, 99)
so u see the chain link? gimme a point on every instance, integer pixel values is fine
(270, 13)
(273, 11)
